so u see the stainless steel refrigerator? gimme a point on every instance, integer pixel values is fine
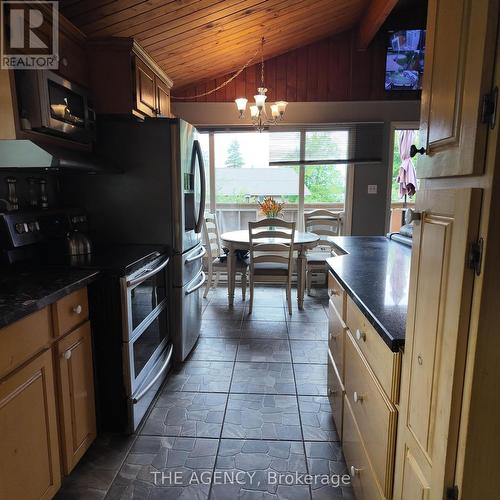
(158, 199)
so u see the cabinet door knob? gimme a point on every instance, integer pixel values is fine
(333, 292)
(67, 354)
(358, 398)
(332, 392)
(414, 150)
(411, 215)
(360, 335)
(78, 309)
(354, 471)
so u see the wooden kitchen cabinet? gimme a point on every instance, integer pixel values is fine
(29, 449)
(124, 79)
(47, 407)
(363, 389)
(74, 367)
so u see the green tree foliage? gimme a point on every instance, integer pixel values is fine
(234, 158)
(326, 183)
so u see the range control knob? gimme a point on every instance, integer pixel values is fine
(34, 226)
(21, 228)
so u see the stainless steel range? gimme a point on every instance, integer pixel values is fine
(129, 306)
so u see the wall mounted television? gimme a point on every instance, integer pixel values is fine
(404, 65)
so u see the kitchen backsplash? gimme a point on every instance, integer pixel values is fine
(42, 189)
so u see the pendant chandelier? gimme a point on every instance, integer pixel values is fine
(258, 112)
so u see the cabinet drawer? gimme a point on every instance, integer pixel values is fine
(70, 311)
(375, 415)
(336, 338)
(23, 339)
(384, 363)
(363, 481)
(336, 396)
(336, 293)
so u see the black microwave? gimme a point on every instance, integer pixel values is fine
(51, 104)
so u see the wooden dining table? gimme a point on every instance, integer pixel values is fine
(240, 240)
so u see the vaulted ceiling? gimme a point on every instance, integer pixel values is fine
(197, 39)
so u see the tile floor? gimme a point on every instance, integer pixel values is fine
(250, 401)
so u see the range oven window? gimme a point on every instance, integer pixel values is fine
(149, 341)
(66, 105)
(145, 297)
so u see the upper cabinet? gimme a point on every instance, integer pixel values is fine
(124, 79)
(454, 118)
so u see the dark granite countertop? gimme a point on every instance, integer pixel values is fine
(24, 291)
(375, 273)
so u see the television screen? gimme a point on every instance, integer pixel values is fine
(405, 60)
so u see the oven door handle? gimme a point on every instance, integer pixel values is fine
(141, 394)
(197, 256)
(147, 275)
(198, 285)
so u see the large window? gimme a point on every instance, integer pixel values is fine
(292, 166)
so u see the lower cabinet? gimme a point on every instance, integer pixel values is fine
(76, 395)
(335, 395)
(29, 451)
(363, 386)
(47, 407)
(362, 477)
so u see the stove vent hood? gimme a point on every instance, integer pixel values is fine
(30, 156)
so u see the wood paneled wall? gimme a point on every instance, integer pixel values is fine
(329, 70)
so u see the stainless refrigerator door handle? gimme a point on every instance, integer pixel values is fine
(197, 154)
(197, 256)
(199, 285)
(144, 277)
(141, 394)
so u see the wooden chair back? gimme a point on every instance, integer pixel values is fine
(271, 241)
(211, 237)
(324, 223)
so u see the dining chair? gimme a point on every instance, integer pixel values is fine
(325, 224)
(216, 261)
(271, 255)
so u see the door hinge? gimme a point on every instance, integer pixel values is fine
(489, 111)
(452, 493)
(476, 255)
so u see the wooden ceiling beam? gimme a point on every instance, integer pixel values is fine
(370, 23)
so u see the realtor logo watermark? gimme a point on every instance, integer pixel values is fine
(31, 38)
(248, 479)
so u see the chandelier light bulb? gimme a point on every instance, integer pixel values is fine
(260, 100)
(281, 107)
(241, 104)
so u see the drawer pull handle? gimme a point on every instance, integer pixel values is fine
(333, 337)
(355, 471)
(420, 360)
(67, 354)
(332, 392)
(358, 398)
(360, 335)
(78, 309)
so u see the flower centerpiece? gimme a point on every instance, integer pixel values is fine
(271, 208)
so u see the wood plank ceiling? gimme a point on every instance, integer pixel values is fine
(197, 39)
